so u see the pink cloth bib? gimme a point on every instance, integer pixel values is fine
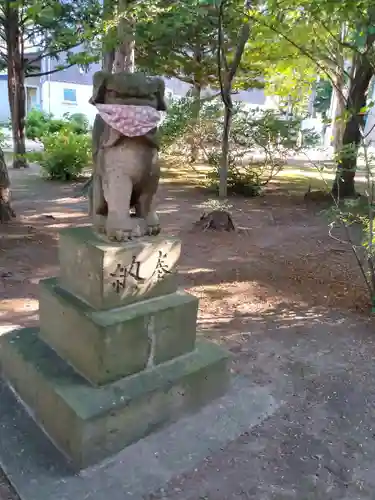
(129, 120)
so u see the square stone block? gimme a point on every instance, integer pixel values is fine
(108, 275)
(110, 344)
(90, 423)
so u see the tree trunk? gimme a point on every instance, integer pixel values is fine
(361, 75)
(338, 123)
(6, 212)
(108, 61)
(196, 94)
(108, 50)
(125, 53)
(223, 185)
(226, 75)
(338, 97)
(16, 83)
(312, 97)
(343, 185)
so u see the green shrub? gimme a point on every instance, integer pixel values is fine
(2, 139)
(65, 154)
(260, 144)
(78, 122)
(241, 181)
(183, 132)
(175, 122)
(40, 124)
(37, 124)
(268, 131)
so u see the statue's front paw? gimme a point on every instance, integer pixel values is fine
(119, 235)
(153, 224)
(119, 231)
(153, 230)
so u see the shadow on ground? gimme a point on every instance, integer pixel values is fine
(267, 292)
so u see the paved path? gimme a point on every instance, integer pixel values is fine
(320, 443)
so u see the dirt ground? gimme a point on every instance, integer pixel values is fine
(280, 260)
(281, 254)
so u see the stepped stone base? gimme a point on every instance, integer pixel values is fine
(115, 356)
(90, 423)
(104, 346)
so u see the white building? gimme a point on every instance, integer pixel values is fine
(69, 91)
(66, 91)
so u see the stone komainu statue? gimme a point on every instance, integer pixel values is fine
(125, 154)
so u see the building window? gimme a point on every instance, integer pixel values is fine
(31, 98)
(70, 95)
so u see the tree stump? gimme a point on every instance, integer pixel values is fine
(217, 220)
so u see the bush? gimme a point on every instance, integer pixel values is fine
(65, 155)
(37, 124)
(183, 132)
(242, 181)
(260, 141)
(40, 124)
(2, 138)
(269, 132)
(260, 144)
(78, 122)
(175, 122)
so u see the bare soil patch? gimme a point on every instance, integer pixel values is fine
(281, 254)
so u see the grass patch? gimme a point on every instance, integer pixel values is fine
(296, 183)
(291, 179)
(176, 170)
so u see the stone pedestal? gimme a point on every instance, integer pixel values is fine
(115, 356)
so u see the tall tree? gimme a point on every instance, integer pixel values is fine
(177, 39)
(32, 30)
(362, 72)
(44, 28)
(324, 33)
(121, 18)
(108, 35)
(311, 42)
(227, 69)
(124, 59)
